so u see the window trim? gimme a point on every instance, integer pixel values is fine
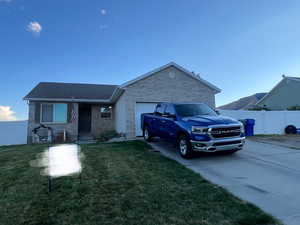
(53, 106)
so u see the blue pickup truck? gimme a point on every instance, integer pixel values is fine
(193, 127)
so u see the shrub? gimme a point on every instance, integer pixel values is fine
(259, 108)
(294, 108)
(107, 135)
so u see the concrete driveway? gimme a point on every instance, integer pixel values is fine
(264, 174)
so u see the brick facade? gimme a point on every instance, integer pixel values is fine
(34, 121)
(101, 125)
(98, 125)
(168, 85)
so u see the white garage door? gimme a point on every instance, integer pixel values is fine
(139, 109)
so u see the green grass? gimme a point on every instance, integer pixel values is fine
(122, 183)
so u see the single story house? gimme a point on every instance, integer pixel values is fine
(90, 109)
(283, 96)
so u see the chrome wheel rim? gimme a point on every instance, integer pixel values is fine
(183, 147)
(146, 134)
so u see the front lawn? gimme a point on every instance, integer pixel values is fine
(122, 183)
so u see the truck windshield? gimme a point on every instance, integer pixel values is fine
(189, 110)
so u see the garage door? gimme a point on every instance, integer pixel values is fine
(139, 109)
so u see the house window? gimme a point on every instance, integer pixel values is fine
(54, 113)
(106, 111)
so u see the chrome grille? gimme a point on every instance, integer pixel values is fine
(222, 132)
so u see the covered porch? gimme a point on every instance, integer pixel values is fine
(94, 119)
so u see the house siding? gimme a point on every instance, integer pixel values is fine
(70, 127)
(283, 96)
(168, 85)
(120, 115)
(99, 124)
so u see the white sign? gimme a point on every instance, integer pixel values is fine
(63, 160)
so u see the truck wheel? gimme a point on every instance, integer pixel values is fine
(147, 135)
(185, 148)
(290, 129)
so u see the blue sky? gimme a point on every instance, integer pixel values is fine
(241, 46)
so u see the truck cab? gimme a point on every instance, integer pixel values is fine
(193, 127)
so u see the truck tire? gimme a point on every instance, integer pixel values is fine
(290, 129)
(184, 147)
(147, 136)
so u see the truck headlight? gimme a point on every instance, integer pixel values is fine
(242, 128)
(199, 130)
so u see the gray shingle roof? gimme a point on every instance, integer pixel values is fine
(49, 90)
(293, 78)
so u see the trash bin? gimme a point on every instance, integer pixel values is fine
(249, 128)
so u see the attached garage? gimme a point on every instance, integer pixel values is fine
(169, 83)
(141, 108)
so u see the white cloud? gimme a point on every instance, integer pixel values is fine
(34, 27)
(6, 114)
(103, 12)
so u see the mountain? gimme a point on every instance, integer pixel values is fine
(244, 103)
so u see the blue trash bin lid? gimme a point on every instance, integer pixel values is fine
(250, 121)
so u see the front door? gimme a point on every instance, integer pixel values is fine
(85, 119)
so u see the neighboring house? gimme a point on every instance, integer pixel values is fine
(284, 95)
(89, 109)
(245, 103)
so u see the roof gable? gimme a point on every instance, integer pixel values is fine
(53, 91)
(285, 81)
(144, 76)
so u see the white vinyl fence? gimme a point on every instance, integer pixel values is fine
(267, 122)
(13, 132)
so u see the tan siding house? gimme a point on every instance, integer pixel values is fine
(284, 95)
(92, 110)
